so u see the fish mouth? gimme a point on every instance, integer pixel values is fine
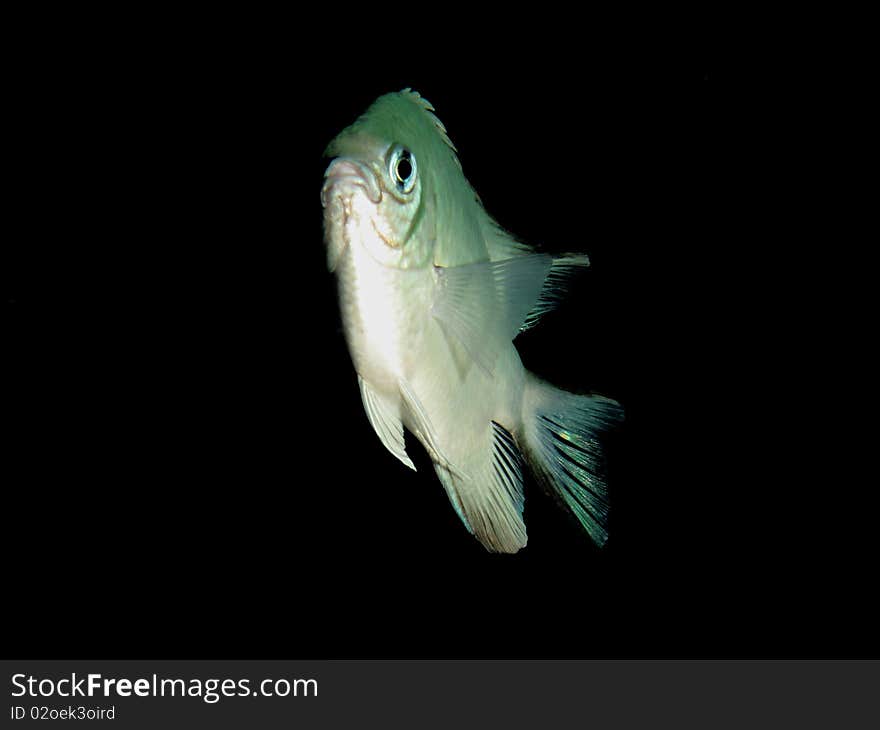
(344, 171)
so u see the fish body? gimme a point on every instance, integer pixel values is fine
(432, 293)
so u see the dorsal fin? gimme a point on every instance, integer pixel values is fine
(428, 109)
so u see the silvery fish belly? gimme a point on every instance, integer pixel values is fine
(432, 293)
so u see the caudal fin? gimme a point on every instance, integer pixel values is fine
(562, 445)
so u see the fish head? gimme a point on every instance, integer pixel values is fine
(381, 189)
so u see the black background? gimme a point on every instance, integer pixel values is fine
(191, 472)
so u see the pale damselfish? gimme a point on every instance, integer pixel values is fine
(432, 293)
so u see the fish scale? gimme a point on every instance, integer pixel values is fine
(383, 334)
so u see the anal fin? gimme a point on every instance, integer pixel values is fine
(491, 504)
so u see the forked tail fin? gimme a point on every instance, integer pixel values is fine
(562, 445)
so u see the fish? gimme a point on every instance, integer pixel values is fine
(432, 293)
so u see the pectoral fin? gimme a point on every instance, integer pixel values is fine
(385, 423)
(483, 305)
(564, 269)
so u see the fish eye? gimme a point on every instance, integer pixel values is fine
(402, 168)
